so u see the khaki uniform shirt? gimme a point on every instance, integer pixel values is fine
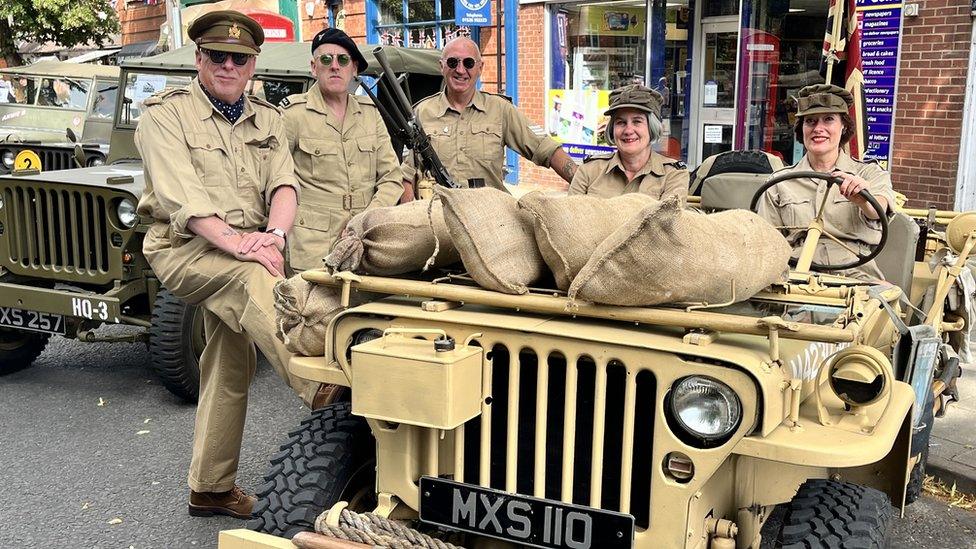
(198, 164)
(471, 144)
(794, 203)
(343, 169)
(603, 175)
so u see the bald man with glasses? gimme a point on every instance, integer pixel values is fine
(469, 129)
(343, 156)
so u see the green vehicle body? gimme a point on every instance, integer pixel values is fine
(65, 250)
(39, 124)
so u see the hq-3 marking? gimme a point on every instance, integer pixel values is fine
(88, 308)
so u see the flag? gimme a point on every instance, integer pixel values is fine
(841, 65)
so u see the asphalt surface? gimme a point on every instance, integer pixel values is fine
(95, 454)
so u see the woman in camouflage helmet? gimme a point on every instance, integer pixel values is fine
(635, 124)
(824, 127)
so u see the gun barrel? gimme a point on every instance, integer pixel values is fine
(388, 73)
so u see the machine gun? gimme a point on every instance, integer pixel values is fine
(407, 126)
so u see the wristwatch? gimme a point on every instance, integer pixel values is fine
(277, 232)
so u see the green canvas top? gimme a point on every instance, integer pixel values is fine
(284, 58)
(62, 69)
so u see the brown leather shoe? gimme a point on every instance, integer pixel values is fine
(329, 394)
(233, 503)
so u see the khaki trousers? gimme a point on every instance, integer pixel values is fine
(239, 313)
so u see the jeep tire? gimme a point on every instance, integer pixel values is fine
(830, 514)
(331, 457)
(176, 340)
(19, 349)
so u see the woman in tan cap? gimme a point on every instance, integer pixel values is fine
(824, 126)
(635, 124)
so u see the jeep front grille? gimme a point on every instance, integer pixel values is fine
(56, 230)
(563, 431)
(56, 159)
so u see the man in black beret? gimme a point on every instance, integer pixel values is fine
(343, 157)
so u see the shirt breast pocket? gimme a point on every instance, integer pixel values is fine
(207, 157)
(844, 216)
(367, 160)
(487, 140)
(260, 150)
(320, 157)
(796, 211)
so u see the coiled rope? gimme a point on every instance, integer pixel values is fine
(377, 531)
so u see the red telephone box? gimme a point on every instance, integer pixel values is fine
(758, 84)
(277, 28)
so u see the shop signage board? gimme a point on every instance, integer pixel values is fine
(472, 13)
(575, 119)
(880, 24)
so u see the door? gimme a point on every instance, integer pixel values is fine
(714, 81)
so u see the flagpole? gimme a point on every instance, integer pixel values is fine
(835, 37)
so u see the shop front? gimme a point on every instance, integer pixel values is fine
(726, 71)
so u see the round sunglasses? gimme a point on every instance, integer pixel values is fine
(218, 57)
(452, 62)
(342, 58)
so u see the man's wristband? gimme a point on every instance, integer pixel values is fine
(277, 232)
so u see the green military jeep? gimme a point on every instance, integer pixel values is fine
(39, 102)
(71, 240)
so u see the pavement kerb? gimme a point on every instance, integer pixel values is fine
(951, 472)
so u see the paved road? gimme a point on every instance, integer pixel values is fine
(73, 467)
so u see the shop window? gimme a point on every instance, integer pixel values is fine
(781, 51)
(595, 48)
(417, 23)
(718, 8)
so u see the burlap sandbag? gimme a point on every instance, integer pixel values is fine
(393, 240)
(569, 228)
(495, 239)
(666, 255)
(303, 310)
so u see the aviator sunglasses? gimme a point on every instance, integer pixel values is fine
(452, 62)
(327, 58)
(218, 57)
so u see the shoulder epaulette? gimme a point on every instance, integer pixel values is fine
(294, 99)
(790, 167)
(263, 102)
(421, 100)
(364, 100)
(677, 164)
(168, 93)
(598, 156)
(503, 96)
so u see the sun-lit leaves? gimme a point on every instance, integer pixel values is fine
(64, 22)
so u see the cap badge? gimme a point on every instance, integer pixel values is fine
(234, 31)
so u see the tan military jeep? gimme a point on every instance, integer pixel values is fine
(797, 418)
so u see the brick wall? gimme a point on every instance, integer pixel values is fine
(532, 89)
(141, 23)
(928, 113)
(355, 21)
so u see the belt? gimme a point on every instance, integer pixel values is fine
(348, 201)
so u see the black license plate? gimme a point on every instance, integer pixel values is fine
(34, 321)
(530, 521)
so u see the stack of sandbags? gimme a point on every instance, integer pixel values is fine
(666, 255)
(393, 240)
(303, 311)
(569, 228)
(494, 239)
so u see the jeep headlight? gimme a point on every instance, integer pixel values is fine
(126, 211)
(705, 408)
(96, 161)
(8, 159)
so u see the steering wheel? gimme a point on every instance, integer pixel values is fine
(815, 228)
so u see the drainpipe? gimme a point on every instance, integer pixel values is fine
(966, 168)
(176, 23)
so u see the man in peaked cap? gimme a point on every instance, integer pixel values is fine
(221, 188)
(635, 125)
